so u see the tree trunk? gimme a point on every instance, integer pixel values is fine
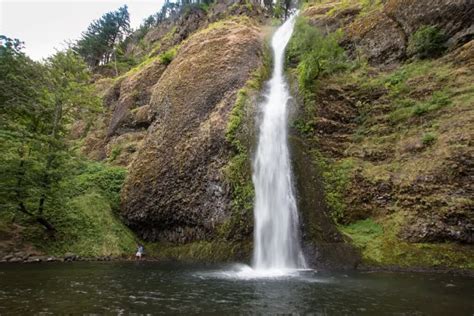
(54, 134)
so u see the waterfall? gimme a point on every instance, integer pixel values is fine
(276, 239)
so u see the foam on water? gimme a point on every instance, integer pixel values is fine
(245, 272)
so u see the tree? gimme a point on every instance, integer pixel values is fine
(98, 42)
(38, 102)
(281, 9)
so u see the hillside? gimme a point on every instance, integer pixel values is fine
(381, 138)
(387, 124)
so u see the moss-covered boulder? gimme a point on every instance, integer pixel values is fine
(176, 189)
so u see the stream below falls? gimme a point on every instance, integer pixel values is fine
(171, 288)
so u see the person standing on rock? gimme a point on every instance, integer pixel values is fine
(140, 251)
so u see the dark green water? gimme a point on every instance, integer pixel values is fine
(154, 288)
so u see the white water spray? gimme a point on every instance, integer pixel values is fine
(276, 238)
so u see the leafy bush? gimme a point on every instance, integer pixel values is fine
(96, 177)
(305, 128)
(438, 100)
(427, 42)
(428, 139)
(315, 54)
(116, 151)
(168, 56)
(84, 215)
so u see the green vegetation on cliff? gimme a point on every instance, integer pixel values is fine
(314, 54)
(241, 134)
(86, 221)
(391, 142)
(60, 201)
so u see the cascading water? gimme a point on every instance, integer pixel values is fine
(276, 218)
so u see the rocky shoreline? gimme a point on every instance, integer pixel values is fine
(23, 257)
(26, 258)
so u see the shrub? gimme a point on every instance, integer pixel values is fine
(100, 178)
(428, 139)
(116, 151)
(305, 128)
(316, 54)
(427, 42)
(168, 56)
(407, 108)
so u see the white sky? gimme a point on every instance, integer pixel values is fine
(45, 25)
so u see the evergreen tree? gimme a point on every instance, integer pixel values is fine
(98, 42)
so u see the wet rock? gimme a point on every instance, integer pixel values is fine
(69, 256)
(34, 259)
(8, 258)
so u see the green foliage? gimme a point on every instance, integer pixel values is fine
(98, 44)
(428, 139)
(39, 103)
(336, 177)
(380, 245)
(368, 4)
(235, 119)
(438, 100)
(427, 42)
(84, 217)
(305, 128)
(167, 57)
(89, 228)
(398, 84)
(116, 151)
(314, 54)
(238, 171)
(238, 174)
(99, 178)
(344, 4)
(402, 82)
(281, 9)
(407, 108)
(363, 232)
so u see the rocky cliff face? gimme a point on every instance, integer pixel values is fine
(167, 120)
(382, 148)
(176, 190)
(382, 35)
(391, 137)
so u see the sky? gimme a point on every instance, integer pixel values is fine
(46, 25)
